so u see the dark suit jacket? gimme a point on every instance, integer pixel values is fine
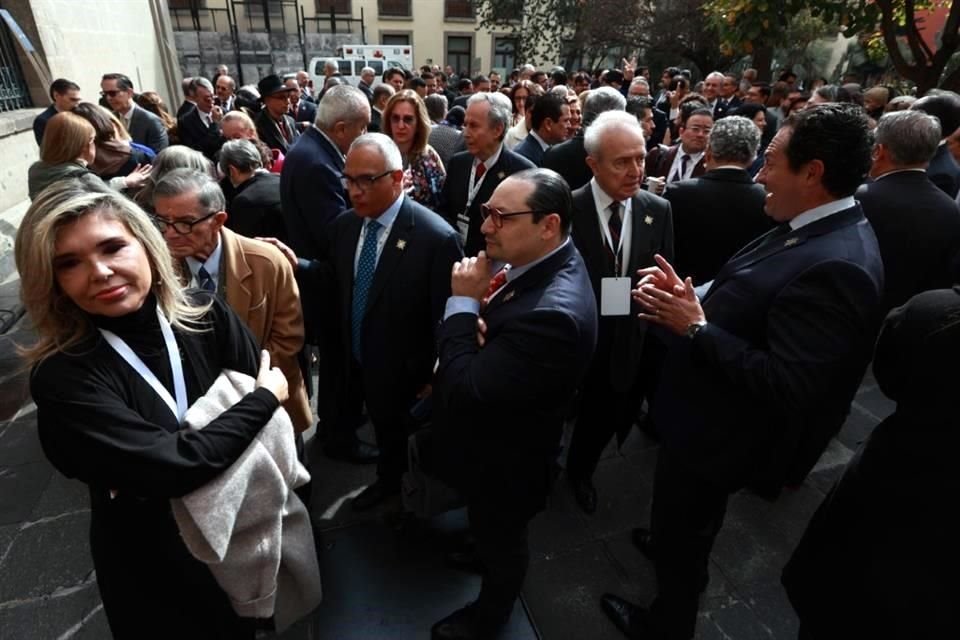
(404, 306)
(918, 228)
(659, 129)
(845, 577)
(306, 113)
(756, 396)
(269, 132)
(500, 409)
(620, 339)
(569, 159)
(40, 122)
(197, 135)
(453, 198)
(367, 90)
(944, 171)
(660, 160)
(185, 108)
(375, 118)
(530, 149)
(255, 209)
(147, 129)
(714, 216)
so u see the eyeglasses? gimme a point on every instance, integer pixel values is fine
(180, 226)
(361, 182)
(112, 93)
(407, 120)
(486, 211)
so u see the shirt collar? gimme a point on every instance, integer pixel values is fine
(540, 140)
(212, 263)
(602, 198)
(824, 210)
(388, 217)
(492, 160)
(515, 272)
(332, 144)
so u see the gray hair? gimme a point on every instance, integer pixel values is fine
(608, 121)
(640, 80)
(170, 159)
(181, 181)
(367, 70)
(341, 103)
(734, 139)
(600, 100)
(198, 83)
(392, 161)
(501, 111)
(436, 106)
(715, 74)
(560, 91)
(331, 63)
(911, 136)
(241, 154)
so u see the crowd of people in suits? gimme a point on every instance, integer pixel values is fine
(712, 263)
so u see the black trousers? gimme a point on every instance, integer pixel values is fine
(502, 548)
(603, 412)
(687, 514)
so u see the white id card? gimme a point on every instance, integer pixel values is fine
(615, 296)
(463, 226)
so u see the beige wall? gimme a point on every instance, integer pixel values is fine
(83, 40)
(18, 150)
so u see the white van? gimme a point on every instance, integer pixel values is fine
(352, 58)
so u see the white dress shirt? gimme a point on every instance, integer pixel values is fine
(602, 202)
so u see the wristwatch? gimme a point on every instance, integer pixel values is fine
(694, 327)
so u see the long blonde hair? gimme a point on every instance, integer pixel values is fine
(59, 323)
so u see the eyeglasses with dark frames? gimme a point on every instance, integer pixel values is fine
(180, 226)
(396, 118)
(363, 183)
(487, 211)
(112, 93)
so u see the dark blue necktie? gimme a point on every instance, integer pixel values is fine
(205, 281)
(361, 285)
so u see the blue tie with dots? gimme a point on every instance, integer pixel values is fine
(361, 284)
(205, 280)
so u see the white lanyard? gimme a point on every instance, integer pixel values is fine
(605, 229)
(178, 408)
(473, 189)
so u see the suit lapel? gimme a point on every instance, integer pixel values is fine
(531, 278)
(641, 237)
(393, 251)
(238, 271)
(592, 245)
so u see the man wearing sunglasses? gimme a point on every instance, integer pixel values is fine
(144, 127)
(501, 396)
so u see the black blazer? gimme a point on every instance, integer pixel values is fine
(620, 340)
(40, 122)
(918, 228)
(269, 132)
(756, 396)
(500, 409)
(255, 209)
(404, 306)
(306, 113)
(453, 198)
(660, 160)
(944, 171)
(714, 216)
(569, 159)
(195, 134)
(185, 108)
(530, 149)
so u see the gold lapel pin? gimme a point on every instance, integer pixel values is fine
(501, 175)
(401, 244)
(790, 242)
(648, 220)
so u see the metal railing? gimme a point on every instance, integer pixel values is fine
(14, 93)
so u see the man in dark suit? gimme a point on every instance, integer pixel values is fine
(390, 259)
(312, 196)
(761, 371)
(712, 88)
(144, 127)
(226, 93)
(199, 128)
(65, 96)
(943, 170)
(367, 77)
(728, 93)
(917, 224)
(569, 158)
(275, 127)
(474, 174)
(683, 160)
(188, 102)
(255, 210)
(302, 111)
(551, 122)
(715, 215)
(618, 229)
(501, 397)
(381, 95)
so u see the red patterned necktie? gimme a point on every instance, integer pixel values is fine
(496, 282)
(481, 169)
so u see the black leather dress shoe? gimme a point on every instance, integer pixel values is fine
(643, 541)
(585, 494)
(374, 495)
(464, 624)
(355, 451)
(466, 561)
(629, 618)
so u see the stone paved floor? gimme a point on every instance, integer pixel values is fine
(48, 589)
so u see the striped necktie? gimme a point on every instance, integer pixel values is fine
(366, 267)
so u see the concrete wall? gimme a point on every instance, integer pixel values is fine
(83, 40)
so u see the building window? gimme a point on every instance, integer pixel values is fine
(460, 54)
(504, 54)
(396, 39)
(14, 93)
(339, 7)
(395, 8)
(458, 9)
